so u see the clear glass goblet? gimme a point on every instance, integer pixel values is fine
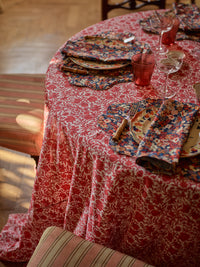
(168, 64)
(161, 23)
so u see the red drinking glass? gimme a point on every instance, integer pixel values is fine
(169, 37)
(143, 67)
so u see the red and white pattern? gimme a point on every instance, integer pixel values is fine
(85, 187)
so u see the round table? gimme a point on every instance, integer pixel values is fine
(85, 187)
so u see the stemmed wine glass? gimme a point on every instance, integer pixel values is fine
(168, 63)
(161, 23)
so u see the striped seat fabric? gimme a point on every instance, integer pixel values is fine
(22, 112)
(58, 247)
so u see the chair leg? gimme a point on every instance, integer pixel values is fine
(132, 4)
(1, 6)
(36, 158)
(162, 4)
(104, 9)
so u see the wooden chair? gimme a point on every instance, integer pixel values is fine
(106, 6)
(22, 112)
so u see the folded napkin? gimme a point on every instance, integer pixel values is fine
(161, 147)
(106, 47)
(189, 16)
(110, 121)
(100, 61)
(163, 155)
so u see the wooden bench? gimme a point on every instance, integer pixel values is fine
(22, 112)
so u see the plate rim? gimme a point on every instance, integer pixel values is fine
(116, 66)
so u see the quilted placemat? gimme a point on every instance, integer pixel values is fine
(111, 59)
(95, 79)
(109, 122)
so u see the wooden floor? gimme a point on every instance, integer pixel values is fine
(31, 31)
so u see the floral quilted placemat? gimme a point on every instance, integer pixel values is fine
(100, 61)
(160, 150)
(95, 79)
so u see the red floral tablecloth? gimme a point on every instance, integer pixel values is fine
(85, 187)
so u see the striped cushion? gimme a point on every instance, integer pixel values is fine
(21, 112)
(58, 247)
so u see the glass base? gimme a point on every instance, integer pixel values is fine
(159, 50)
(167, 95)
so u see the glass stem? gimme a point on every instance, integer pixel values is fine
(160, 39)
(165, 90)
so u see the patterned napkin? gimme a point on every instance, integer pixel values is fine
(100, 61)
(110, 121)
(107, 47)
(167, 151)
(189, 16)
(160, 149)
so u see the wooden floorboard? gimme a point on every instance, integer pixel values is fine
(31, 32)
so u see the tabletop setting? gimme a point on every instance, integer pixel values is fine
(120, 160)
(103, 60)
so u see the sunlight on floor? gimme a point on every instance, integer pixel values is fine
(9, 174)
(10, 191)
(17, 174)
(11, 156)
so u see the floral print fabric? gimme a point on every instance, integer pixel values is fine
(95, 79)
(85, 187)
(160, 149)
(110, 121)
(108, 47)
(189, 16)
